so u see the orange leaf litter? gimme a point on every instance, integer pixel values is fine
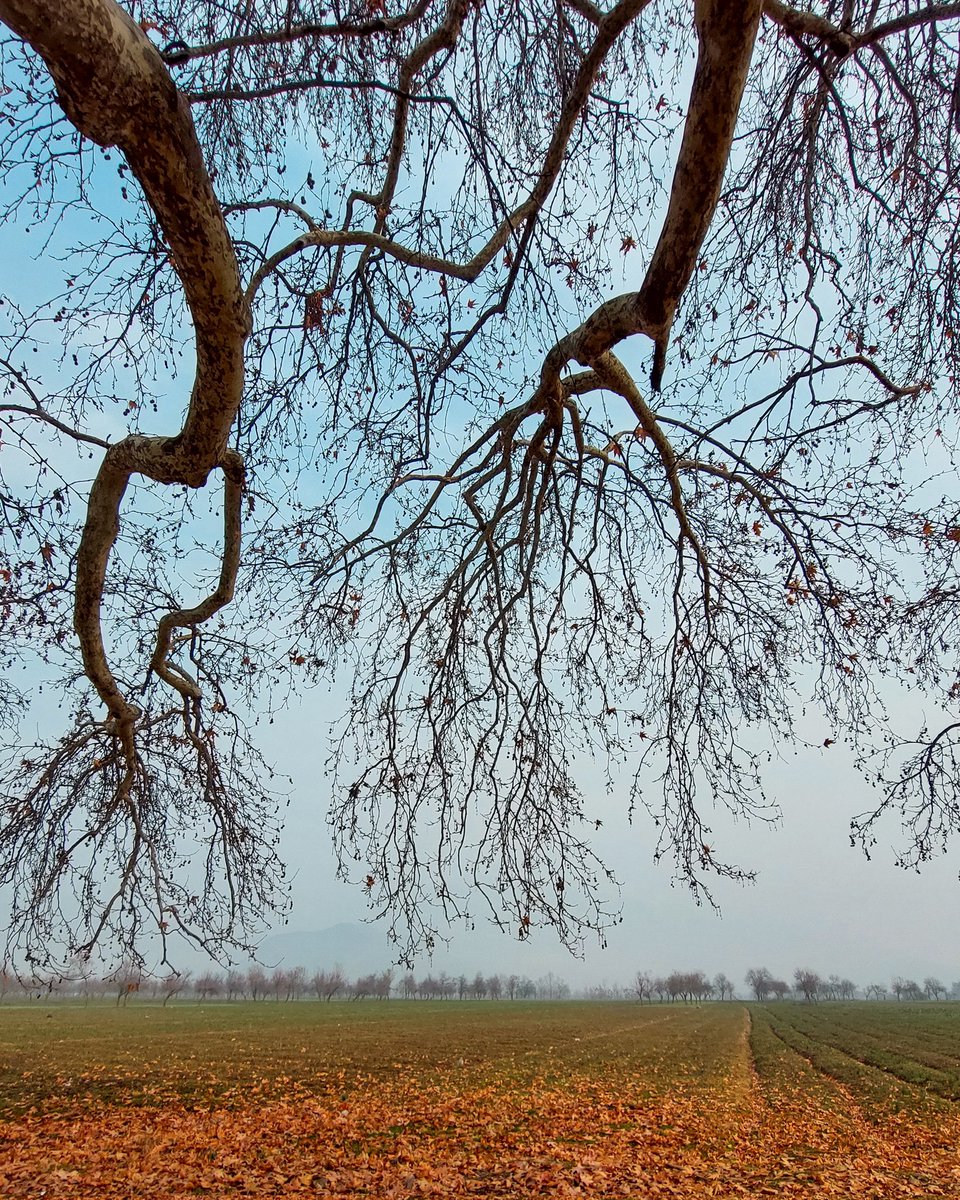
(394, 1140)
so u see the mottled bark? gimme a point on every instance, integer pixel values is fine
(116, 90)
(726, 31)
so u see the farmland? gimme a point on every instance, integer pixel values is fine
(479, 1099)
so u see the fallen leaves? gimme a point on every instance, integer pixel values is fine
(574, 1140)
(615, 1102)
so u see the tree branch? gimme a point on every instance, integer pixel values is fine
(176, 54)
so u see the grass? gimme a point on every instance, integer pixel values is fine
(889, 1057)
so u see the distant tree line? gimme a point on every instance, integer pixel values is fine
(810, 986)
(284, 984)
(694, 987)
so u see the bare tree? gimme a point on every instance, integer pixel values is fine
(327, 983)
(807, 984)
(643, 986)
(207, 985)
(759, 980)
(296, 982)
(81, 976)
(279, 980)
(875, 991)
(830, 987)
(126, 980)
(911, 990)
(779, 988)
(526, 988)
(934, 989)
(236, 984)
(446, 332)
(907, 989)
(258, 982)
(723, 987)
(690, 986)
(172, 984)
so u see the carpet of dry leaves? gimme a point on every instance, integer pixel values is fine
(583, 1131)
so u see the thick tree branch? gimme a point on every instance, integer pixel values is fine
(842, 42)
(726, 32)
(115, 88)
(807, 24)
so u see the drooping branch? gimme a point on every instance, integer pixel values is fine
(119, 821)
(115, 88)
(527, 574)
(613, 375)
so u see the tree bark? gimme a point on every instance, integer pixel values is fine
(726, 32)
(116, 90)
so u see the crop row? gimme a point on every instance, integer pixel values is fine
(880, 1067)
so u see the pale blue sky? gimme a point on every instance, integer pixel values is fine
(817, 902)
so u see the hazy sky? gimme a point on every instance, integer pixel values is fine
(817, 902)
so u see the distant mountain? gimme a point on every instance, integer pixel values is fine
(359, 949)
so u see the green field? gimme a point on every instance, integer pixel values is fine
(886, 1055)
(144, 1053)
(396, 1099)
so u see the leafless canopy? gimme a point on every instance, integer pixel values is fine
(573, 383)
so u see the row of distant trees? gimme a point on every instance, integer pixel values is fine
(283, 984)
(811, 986)
(694, 987)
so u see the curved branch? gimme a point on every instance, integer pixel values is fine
(233, 470)
(114, 87)
(176, 54)
(608, 30)
(467, 271)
